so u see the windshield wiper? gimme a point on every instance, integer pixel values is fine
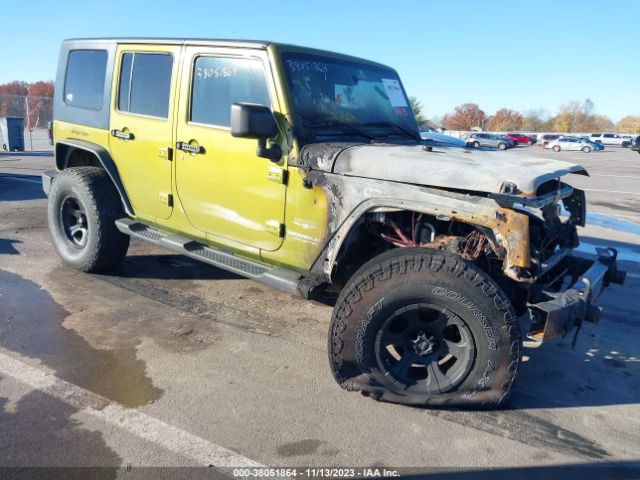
(399, 128)
(345, 126)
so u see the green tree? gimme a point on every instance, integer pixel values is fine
(416, 107)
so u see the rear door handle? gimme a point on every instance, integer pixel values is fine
(194, 149)
(123, 135)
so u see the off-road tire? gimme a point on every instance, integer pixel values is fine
(403, 277)
(91, 190)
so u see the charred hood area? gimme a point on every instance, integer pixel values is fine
(440, 167)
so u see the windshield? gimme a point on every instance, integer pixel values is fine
(343, 100)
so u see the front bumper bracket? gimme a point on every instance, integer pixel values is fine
(569, 308)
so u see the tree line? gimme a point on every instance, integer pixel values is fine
(571, 117)
(18, 98)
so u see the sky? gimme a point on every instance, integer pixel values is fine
(520, 55)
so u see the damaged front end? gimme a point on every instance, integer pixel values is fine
(563, 286)
(521, 232)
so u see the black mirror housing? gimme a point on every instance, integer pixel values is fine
(249, 120)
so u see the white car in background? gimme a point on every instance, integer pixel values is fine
(570, 143)
(610, 139)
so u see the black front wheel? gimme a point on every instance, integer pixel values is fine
(422, 327)
(83, 208)
(425, 348)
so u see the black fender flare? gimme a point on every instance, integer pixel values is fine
(63, 151)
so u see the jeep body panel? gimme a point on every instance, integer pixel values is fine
(227, 191)
(141, 143)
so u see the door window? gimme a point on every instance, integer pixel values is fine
(219, 82)
(145, 84)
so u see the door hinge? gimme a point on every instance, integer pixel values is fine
(279, 175)
(275, 228)
(166, 198)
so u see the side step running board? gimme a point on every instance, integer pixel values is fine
(280, 278)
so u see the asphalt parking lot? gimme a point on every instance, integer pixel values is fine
(165, 362)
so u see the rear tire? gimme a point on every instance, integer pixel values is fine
(83, 208)
(530, 142)
(586, 149)
(421, 327)
(476, 144)
(502, 146)
(625, 144)
(556, 148)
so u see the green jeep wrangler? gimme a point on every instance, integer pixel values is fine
(305, 170)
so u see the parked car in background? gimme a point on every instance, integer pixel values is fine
(510, 142)
(628, 138)
(489, 140)
(610, 139)
(521, 138)
(433, 136)
(543, 140)
(595, 145)
(635, 145)
(570, 143)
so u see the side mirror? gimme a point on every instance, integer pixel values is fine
(249, 120)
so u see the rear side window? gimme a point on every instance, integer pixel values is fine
(220, 82)
(84, 79)
(608, 135)
(145, 84)
(596, 134)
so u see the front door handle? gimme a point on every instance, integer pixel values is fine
(193, 149)
(122, 134)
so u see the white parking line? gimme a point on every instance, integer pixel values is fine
(17, 179)
(614, 176)
(142, 425)
(615, 165)
(611, 191)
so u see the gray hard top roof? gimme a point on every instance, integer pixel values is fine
(260, 44)
(173, 41)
